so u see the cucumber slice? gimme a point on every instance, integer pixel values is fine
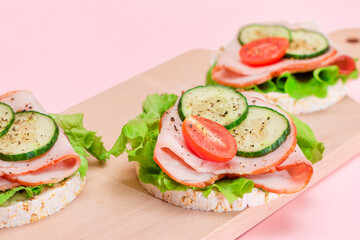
(255, 31)
(306, 44)
(31, 135)
(263, 131)
(7, 117)
(221, 104)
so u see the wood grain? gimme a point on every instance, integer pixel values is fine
(114, 206)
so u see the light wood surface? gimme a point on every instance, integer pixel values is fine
(348, 40)
(114, 206)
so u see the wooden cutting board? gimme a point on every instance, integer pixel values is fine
(114, 206)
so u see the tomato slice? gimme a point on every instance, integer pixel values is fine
(208, 139)
(345, 63)
(264, 51)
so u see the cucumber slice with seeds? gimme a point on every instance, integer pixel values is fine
(306, 44)
(256, 31)
(7, 117)
(31, 135)
(221, 104)
(263, 131)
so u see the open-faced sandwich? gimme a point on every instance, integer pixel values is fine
(217, 149)
(293, 65)
(42, 159)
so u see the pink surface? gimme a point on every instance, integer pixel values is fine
(67, 51)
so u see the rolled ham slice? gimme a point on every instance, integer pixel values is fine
(280, 166)
(291, 176)
(177, 169)
(60, 162)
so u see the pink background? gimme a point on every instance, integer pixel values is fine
(67, 51)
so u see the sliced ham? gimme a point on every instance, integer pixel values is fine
(291, 176)
(60, 162)
(178, 170)
(182, 165)
(231, 71)
(171, 138)
(53, 174)
(6, 184)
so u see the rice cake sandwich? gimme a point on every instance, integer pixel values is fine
(42, 159)
(295, 66)
(216, 149)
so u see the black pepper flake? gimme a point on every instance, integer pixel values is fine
(172, 119)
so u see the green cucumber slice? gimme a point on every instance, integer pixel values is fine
(253, 32)
(263, 131)
(31, 135)
(221, 104)
(7, 117)
(306, 44)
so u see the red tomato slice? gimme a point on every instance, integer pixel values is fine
(264, 51)
(208, 139)
(345, 63)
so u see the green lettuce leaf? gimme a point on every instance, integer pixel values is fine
(353, 75)
(84, 141)
(302, 85)
(312, 149)
(232, 189)
(269, 86)
(141, 134)
(30, 192)
(299, 85)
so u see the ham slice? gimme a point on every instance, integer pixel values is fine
(281, 166)
(178, 170)
(291, 176)
(60, 162)
(5, 184)
(231, 71)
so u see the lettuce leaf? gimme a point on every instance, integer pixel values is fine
(231, 188)
(85, 141)
(312, 149)
(265, 87)
(299, 85)
(30, 192)
(82, 140)
(302, 85)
